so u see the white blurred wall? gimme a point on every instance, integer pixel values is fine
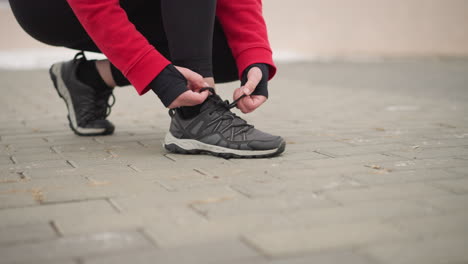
(354, 28)
(307, 29)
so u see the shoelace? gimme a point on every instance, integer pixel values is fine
(226, 114)
(225, 103)
(98, 107)
(103, 105)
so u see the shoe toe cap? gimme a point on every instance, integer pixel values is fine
(272, 142)
(106, 126)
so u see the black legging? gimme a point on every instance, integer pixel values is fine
(53, 22)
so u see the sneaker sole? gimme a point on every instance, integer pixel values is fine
(56, 75)
(190, 146)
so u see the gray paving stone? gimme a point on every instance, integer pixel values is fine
(37, 165)
(294, 241)
(413, 164)
(304, 185)
(448, 249)
(328, 257)
(304, 155)
(33, 192)
(36, 133)
(429, 227)
(188, 202)
(384, 192)
(95, 157)
(77, 246)
(216, 252)
(45, 213)
(278, 204)
(444, 143)
(299, 144)
(5, 160)
(37, 157)
(9, 177)
(26, 150)
(463, 171)
(268, 163)
(361, 150)
(69, 171)
(68, 139)
(351, 160)
(26, 142)
(359, 213)
(195, 233)
(447, 203)
(26, 233)
(455, 185)
(41, 184)
(427, 153)
(90, 145)
(360, 140)
(100, 222)
(101, 187)
(145, 163)
(202, 177)
(13, 198)
(188, 178)
(239, 175)
(167, 218)
(138, 201)
(61, 261)
(381, 176)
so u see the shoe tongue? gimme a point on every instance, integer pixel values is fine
(210, 102)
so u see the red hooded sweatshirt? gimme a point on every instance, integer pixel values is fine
(108, 25)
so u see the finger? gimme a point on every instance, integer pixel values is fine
(194, 98)
(245, 105)
(258, 100)
(179, 101)
(195, 80)
(237, 93)
(253, 79)
(189, 98)
(240, 105)
(198, 83)
(251, 103)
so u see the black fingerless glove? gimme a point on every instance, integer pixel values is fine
(262, 87)
(169, 84)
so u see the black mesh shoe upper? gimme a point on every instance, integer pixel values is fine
(90, 104)
(217, 125)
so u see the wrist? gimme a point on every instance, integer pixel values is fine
(168, 85)
(262, 87)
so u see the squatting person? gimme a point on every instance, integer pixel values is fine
(178, 49)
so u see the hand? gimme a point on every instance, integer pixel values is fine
(189, 98)
(193, 96)
(195, 81)
(250, 102)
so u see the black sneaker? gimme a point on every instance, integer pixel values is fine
(218, 131)
(87, 107)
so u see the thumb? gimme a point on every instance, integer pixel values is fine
(253, 79)
(197, 98)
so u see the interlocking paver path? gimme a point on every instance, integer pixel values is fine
(376, 171)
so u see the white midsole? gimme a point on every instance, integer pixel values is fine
(191, 144)
(57, 71)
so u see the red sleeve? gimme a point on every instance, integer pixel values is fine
(246, 32)
(108, 26)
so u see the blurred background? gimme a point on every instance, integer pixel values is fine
(371, 98)
(311, 30)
